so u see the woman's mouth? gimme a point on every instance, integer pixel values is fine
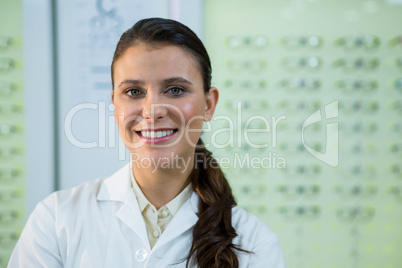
(155, 136)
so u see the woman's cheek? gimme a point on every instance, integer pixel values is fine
(194, 128)
(195, 121)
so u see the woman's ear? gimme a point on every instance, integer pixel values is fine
(112, 96)
(210, 103)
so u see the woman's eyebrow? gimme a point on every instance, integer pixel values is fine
(177, 80)
(132, 82)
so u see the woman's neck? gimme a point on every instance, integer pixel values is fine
(161, 185)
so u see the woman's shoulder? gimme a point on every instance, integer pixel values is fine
(90, 191)
(240, 217)
(251, 229)
(255, 236)
(85, 191)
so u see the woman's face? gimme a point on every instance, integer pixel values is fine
(160, 104)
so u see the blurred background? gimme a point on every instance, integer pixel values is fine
(321, 80)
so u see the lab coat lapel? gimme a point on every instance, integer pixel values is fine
(130, 214)
(184, 219)
(118, 188)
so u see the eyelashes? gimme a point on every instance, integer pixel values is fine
(176, 91)
(134, 92)
(173, 91)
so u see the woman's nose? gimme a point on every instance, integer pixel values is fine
(153, 108)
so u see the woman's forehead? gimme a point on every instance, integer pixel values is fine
(164, 62)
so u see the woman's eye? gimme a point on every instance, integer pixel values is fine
(134, 92)
(176, 91)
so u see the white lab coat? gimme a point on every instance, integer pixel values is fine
(99, 224)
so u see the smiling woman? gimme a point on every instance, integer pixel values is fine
(171, 206)
(158, 90)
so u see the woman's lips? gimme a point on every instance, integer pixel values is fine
(157, 135)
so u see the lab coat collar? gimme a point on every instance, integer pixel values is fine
(118, 188)
(185, 218)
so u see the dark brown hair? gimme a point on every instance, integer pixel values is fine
(213, 233)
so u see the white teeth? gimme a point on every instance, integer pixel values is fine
(156, 134)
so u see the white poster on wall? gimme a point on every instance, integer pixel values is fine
(87, 34)
(88, 31)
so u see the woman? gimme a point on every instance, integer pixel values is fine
(172, 206)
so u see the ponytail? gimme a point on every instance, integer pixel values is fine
(213, 233)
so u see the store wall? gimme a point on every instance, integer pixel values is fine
(322, 82)
(307, 130)
(12, 127)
